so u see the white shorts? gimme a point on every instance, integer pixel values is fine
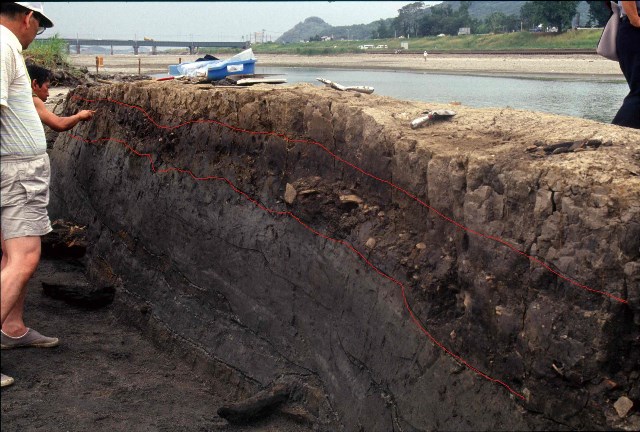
(24, 192)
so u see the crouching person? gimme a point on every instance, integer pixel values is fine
(40, 82)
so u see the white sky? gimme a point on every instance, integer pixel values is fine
(210, 21)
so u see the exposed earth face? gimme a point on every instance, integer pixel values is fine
(477, 273)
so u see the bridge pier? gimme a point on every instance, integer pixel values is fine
(154, 50)
(111, 49)
(77, 48)
(135, 49)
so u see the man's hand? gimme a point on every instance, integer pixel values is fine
(85, 115)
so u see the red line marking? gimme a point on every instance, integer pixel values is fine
(319, 234)
(368, 174)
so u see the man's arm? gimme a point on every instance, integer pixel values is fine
(631, 9)
(7, 73)
(59, 124)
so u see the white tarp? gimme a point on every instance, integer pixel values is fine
(200, 69)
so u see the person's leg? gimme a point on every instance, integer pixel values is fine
(23, 255)
(629, 53)
(4, 254)
(24, 220)
(14, 332)
(13, 325)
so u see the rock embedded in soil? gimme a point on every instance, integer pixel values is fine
(80, 293)
(290, 194)
(623, 405)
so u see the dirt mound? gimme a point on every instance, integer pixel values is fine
(460, 275)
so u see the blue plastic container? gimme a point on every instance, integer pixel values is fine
(173, 70)
(226, 68)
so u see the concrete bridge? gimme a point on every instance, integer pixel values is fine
(154, 44)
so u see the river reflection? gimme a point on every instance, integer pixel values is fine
(590, 99)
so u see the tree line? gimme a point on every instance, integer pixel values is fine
(417, 20)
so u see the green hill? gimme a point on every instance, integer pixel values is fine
(314, 26)
(308, 28)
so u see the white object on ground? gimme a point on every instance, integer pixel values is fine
(359, 89)
(432, 115)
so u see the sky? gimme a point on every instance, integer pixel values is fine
(205, 21)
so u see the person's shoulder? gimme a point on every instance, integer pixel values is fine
(38, 102)
(8, 39)
(10, 47)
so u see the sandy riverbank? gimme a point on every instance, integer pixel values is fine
(585, 66)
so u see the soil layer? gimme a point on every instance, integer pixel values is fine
(219, 272)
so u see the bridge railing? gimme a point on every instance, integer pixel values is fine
(136, 44)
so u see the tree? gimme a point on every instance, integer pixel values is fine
(382, 31)
(445, 20)
(528, 15)
(408, 18)
(552, 13)
(598, 13)
(496, 22)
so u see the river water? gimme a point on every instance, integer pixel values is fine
(584, 97)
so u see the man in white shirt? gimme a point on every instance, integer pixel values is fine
(24, 169)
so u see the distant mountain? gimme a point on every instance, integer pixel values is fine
(308, 28)
(315, 26)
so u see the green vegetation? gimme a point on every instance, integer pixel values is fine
(418, 20)
(576, 39)
(50, 53)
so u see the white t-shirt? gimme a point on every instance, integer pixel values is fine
(21, 131)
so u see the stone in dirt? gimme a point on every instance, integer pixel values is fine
(623, 405)
(67, 240)
(371, 243)
(290, 194)
(76, 292)
(257, 407)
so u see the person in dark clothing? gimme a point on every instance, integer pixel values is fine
(628, 48)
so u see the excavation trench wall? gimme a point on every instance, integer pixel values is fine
(249, 261)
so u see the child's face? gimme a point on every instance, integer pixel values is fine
(42, 91)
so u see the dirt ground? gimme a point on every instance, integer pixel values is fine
(104, 376)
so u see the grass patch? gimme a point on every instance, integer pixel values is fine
(50, 53)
